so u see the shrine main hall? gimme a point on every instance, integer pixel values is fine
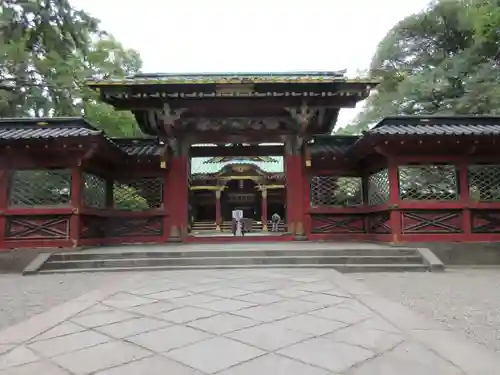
(259, 143)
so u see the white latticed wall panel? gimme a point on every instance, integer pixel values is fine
(44, 187)
(484, 183)
(428, 182)
(378, 188)
(336, 191)
(139, 194)
(94, 191)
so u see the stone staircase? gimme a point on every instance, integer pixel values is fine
(209, 226)
(136, 258)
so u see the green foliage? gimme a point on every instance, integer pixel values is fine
(128, 198)
(444, 60)
(47, 52)
(40, 187)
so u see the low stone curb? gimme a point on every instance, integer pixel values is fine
(431, 260)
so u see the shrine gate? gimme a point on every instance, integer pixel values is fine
(257, 142)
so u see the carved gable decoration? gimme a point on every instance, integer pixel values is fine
(237, 124)
(241, 168)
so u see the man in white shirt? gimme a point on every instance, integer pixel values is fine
(275, 220)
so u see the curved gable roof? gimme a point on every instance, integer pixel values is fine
(207, 166)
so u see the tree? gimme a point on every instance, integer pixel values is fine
(440, 61)
(47, 51)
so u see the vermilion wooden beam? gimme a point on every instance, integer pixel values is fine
(223, 106)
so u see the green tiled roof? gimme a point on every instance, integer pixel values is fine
(200, 165)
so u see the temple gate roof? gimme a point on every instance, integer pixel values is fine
(76, 129)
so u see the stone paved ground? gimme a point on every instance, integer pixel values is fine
(22, 297)
(237, 322)
(466, 300)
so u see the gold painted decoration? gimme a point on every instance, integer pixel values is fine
(208, 187)
(241, 168)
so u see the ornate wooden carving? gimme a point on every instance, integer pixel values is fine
(302, 115)
(346, 223)
(236, 124)
(449, 221)
(169, 117)
(293, 143)
(178, 145)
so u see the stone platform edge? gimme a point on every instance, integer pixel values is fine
(470, 357)
(431, 260)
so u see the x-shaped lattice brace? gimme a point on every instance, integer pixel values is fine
(492, 225)
(379, 222)
(438, 221)
(328, 224)
(93, 228)
(129, 227)
(47, 228)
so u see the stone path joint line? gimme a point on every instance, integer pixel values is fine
(237, 322)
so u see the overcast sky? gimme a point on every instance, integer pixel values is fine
(252, 35)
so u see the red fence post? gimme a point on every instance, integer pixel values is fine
(218, 214)
(263, 215)
(463, 185)
(76, 204)
(166, 203)
(4, 201)
(395, 218)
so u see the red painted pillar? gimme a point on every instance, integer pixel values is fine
(463, 185)
(218, 214)
(291, 192)
(295, 197)
(395, 218)
(76, 204)
(4, 203)
(264, 217)
(177, 198)
(306, 198)
(166, 202)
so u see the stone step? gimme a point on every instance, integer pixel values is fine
(345, 268)
(84, 255)
(228, 261)
(364, 258)
(209, 225)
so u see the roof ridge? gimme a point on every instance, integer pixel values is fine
(46, 122)
(337, 73)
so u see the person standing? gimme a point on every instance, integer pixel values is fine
(275, 220)
(234, 226)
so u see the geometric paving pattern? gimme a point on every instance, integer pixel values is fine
(227, 322)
